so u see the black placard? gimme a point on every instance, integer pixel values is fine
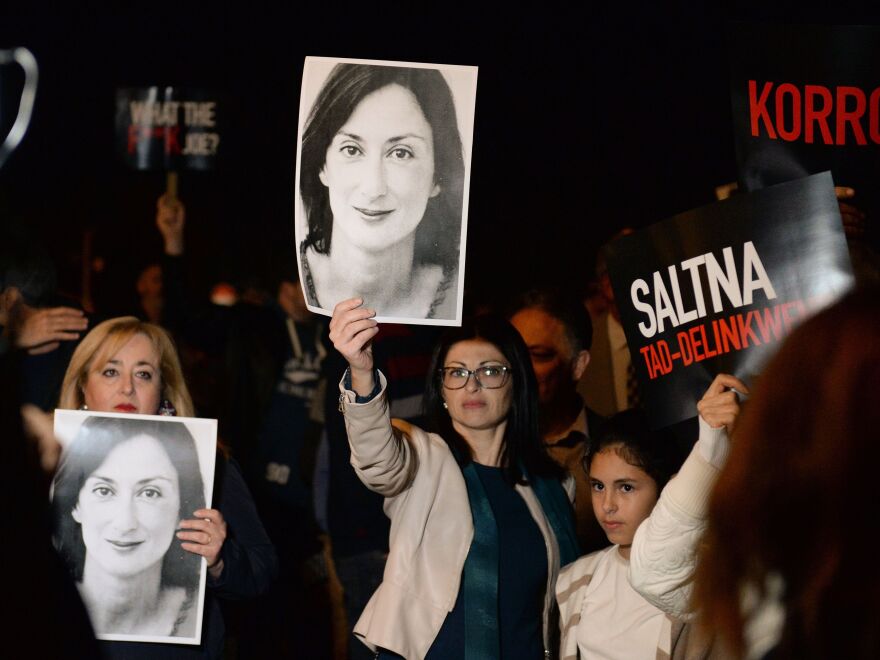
(167, 128)
(716, 289)
(805, 99)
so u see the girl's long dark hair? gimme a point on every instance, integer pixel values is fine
(522, 441)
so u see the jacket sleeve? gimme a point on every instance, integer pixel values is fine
(663, 555)
(381, 455)
(250, 563)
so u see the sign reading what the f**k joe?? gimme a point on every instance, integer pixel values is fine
(717, 289)
(167, 128)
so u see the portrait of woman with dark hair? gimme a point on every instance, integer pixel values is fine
(381, 180)
(123, 487)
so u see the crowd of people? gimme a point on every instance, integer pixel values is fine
(488, 491)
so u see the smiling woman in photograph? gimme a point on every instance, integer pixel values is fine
(382, 176)
(120, 494)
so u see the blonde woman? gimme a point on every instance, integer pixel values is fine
(129, 366)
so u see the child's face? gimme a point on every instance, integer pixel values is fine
(623, 496)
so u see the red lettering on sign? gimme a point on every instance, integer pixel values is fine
(795, 93)
(874, 116)
(758, 109)
(813, 115)
(172, 146)
(805, 112)
(687, 355)
(132, 138)
(850, 117)
(745, 330)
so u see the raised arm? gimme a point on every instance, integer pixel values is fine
(663, 555)
(381, 456)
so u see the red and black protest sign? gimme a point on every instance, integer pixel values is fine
(167, 128)
(715, 290)
(806, 99)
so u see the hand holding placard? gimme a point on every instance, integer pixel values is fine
(720, 404)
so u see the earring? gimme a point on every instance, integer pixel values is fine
(83, 407)
(445, 406)
(167, 409)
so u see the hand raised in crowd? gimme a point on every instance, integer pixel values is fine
(720, 404)
(206, 539)
(170, 219)
(351, 329)
(42, 330)
(854, 219)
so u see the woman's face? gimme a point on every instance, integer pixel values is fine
(474, 407)
(129, 508)
(128, 382)
(379, 170)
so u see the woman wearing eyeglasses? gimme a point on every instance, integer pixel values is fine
(481, 518)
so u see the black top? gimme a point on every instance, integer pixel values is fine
(250, 564)
(522, 580)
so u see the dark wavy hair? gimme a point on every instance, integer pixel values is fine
(94, 441)
(630, 436)
(437, 236)
(522, 441)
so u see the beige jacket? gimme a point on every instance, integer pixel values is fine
(431, 528)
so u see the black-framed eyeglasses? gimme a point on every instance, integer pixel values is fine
(490, 377)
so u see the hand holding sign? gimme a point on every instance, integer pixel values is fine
(170, 219)
(720, 404)
(206, 539)
(853, 217)
(351, 329)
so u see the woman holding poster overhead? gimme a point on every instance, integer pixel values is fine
(381, 182)
(481, 517)
(127, 366)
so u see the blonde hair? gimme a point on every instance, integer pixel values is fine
(104, 341)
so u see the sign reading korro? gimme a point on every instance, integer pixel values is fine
(718, 288)
(805, 99)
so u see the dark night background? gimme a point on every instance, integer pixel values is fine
(587, 120)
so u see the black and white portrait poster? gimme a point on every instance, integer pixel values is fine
(382, 180)
(805, 99)
(717, 289)
(123, 486)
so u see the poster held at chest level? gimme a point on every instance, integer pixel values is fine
(382, 175)
(805, 99)
(716, 289)
(123, 486)
(167, 128)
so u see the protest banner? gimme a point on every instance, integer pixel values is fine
(383, 169)
(167, 128)
(124, 484)
(805, 99)
(716, 289)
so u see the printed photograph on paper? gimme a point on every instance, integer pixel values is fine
(382, 180)
(124, 484)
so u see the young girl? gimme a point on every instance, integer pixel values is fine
(601, 615)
